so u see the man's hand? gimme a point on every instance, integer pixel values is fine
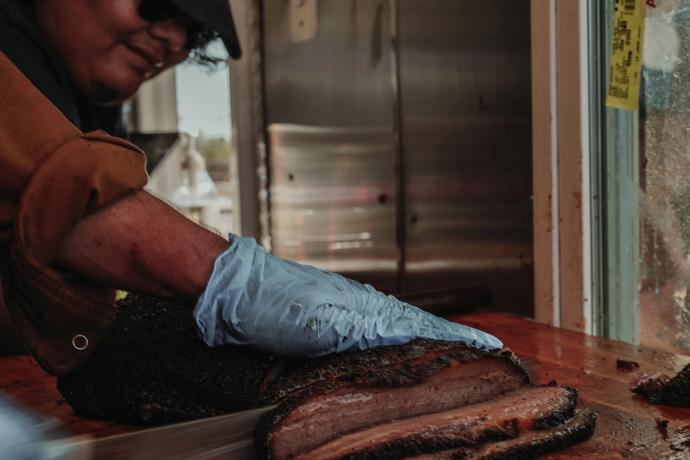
(284, 308)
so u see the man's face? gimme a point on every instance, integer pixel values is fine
(107, 48)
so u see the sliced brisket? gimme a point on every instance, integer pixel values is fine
(344, 393)
(504, 417)
(527, 445)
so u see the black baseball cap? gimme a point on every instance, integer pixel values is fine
(215, 14)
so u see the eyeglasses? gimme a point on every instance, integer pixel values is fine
(162, 10)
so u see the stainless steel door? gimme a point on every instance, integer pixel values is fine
(466, 137)
(451, 98)
(330, 114)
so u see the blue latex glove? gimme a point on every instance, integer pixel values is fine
(284, 308)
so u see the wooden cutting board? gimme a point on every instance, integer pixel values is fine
(628, 426)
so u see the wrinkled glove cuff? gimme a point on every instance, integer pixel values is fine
(216, 313)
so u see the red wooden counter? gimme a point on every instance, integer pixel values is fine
(628, 427)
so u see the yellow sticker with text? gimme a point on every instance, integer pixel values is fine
(626, 56)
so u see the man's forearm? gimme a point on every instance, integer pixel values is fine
(141, 244)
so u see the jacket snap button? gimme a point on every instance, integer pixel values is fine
(80, 342)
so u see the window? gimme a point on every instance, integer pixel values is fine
(181, 119)
(645, 172)
(203, 112)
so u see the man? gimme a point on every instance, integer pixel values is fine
(74, 217)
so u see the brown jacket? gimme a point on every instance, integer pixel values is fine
(51, 175)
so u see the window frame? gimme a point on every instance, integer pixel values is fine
(563, 214)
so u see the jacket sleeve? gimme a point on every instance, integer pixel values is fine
(51, 175)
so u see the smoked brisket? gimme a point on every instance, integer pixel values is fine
(153, 369)
(501, 418)
(388, 402)
(379, 385)
(528, 445)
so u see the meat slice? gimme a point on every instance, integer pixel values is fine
(505, 417)
(662, 389)
(391, 366)
(527, 445)
(353, 391)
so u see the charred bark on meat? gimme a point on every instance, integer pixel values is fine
(527, 445)
(152, 369)
(576, 430)
(506, 417)
(661, 389)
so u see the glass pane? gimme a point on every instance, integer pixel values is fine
(203, 96)
(645, 180)
(665, 178)
(205, 191)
